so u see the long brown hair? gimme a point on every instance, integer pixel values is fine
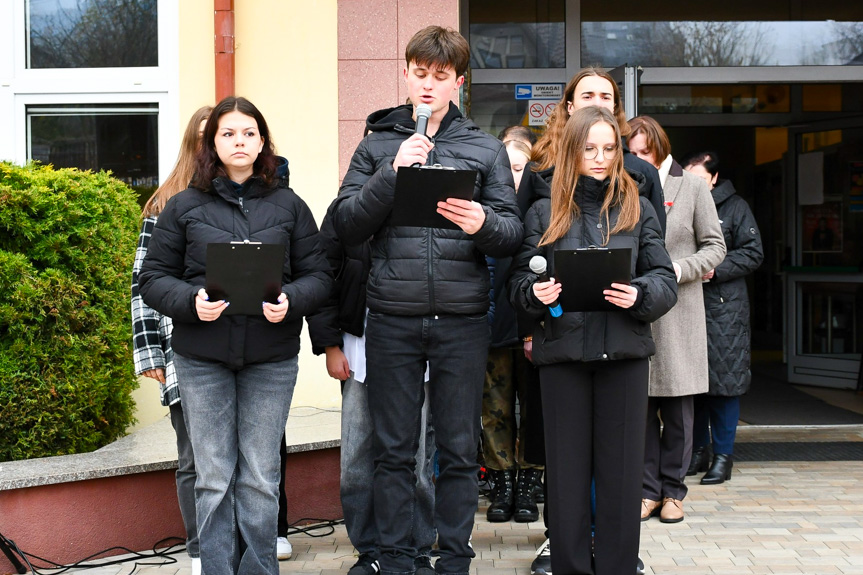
(181, 175)
(545, 150)
(208, 166)
(622, 190)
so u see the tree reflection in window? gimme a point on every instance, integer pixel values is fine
(92, 33)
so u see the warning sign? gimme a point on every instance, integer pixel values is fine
(538, 91)
(538, 112)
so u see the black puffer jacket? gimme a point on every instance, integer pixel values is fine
(345, 310)
(427, 271)
(174, 269)
(595, 336)
(726, 301)
(652, 187)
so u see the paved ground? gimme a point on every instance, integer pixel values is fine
(771, 518)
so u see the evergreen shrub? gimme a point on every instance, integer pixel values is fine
(67, 244)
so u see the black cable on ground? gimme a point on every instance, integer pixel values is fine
(319, 528)
(54, 568)
(327, 525)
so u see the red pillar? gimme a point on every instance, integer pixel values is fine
(224, 47)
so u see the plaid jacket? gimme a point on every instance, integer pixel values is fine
(151, 330)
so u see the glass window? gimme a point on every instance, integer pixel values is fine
(721, 43)
(714, 99)
(91, 33)
(122, 138)
(831, 217)
(523, 35)
(493, 107)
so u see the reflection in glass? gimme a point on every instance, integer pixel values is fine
(120, 138)
(830, 318)
(517, 35)
(840, 204)
(715, 99)
(92, 33)
(493, 107)
(694, 44)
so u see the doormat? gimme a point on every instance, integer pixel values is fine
(799, 451)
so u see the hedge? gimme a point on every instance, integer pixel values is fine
(67, 244)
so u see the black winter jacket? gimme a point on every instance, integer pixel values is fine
(652, 187)
(726, 301)
(427, 271)
(345, 309)
(175, 268)
(595, 336)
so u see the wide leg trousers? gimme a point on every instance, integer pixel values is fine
(594, 414)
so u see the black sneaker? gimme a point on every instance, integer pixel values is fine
(423, 566)
(639, 567)
(542, 564)
(365, 565)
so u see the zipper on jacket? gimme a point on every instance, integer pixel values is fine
(430, 250)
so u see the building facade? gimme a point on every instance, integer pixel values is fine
(775, 88)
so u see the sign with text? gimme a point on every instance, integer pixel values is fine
(538, 111)
(538, 91)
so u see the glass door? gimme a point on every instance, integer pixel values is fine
(824, 286)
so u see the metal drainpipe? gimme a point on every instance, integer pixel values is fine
(224, 49)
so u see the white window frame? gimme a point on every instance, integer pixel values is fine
(21, 87)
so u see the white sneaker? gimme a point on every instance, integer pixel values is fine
(196, 566)
(283, 548)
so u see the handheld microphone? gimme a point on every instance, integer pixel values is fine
(538, 265)
(423, 112)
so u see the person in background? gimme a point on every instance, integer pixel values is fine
(428, 298)
(726, 304)
(678, 371)
(593, 366)
(337, 329)
(151, 332)
(508, 376)
(593, 86)
(236, 372)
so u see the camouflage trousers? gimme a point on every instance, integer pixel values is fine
(508, 375)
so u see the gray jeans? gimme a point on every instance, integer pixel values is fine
(235, 421)
(357, 463)
(186, 477)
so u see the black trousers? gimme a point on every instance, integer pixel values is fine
(667, 453)
(594, 416)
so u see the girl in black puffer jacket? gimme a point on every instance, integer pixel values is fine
(593, 366)
(237, 372)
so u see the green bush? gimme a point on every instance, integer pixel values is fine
(67, 244)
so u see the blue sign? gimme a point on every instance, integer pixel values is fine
(523, 91)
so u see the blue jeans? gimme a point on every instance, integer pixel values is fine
(716, 416)
(358, 465)
(236, 420)
(397, 349)
(185, 477)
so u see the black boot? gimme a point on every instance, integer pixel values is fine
(538, 491)
(525, 505)
(720, 470)
(700, 461)
(501, 509)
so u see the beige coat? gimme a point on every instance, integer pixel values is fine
(694, 240)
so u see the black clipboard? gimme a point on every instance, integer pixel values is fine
(586, 272)
(418, 190)
(245, 274)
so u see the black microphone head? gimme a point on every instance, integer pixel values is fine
(423, 111)
(538, 265)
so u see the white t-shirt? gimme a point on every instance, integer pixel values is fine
(354, 349)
